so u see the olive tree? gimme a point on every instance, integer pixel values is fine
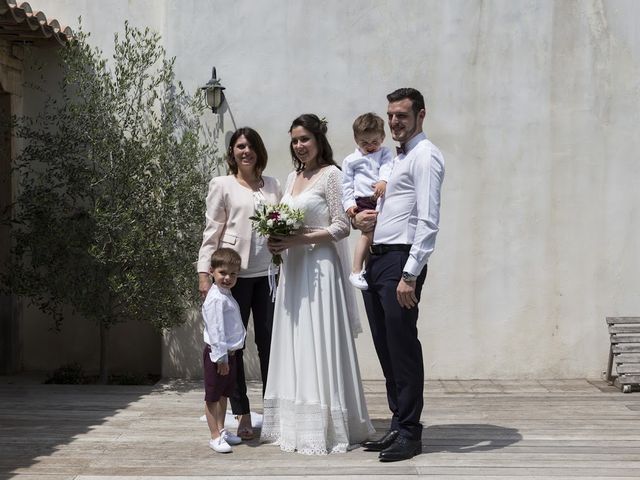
(112, 182)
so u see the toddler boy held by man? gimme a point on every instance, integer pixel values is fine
(224, 333)
(365, 174)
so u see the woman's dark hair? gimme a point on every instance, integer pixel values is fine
(318, 129)
(257, 145)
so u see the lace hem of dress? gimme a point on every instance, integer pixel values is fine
(309, 429)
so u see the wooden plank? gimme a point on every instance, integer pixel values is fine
(615, 320)
(626, 348)
(609, 372)
(529, 430)
(625, 339)
(624, 328)
(630, 379)
(628, 368)
(626, 358)
(474, 472)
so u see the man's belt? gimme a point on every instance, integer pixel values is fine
(382, 248)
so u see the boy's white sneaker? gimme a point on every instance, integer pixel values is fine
(358, 280)
(230, 438)
(220, 445)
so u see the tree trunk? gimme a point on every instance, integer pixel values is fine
(104, 336)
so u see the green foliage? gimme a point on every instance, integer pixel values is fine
(70, 373)
(113, 178)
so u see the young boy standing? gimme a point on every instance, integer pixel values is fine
(365, 174)
(224, 333)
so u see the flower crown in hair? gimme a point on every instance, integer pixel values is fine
(323, 122)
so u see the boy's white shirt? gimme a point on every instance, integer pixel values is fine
(360, 172)
(223, 328)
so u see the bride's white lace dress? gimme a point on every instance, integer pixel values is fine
(314, 403)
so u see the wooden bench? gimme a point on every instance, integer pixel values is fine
(624, 352)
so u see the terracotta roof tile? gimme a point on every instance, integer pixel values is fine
(21, 23)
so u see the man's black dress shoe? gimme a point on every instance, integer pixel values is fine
(401, 449)
(384, 442)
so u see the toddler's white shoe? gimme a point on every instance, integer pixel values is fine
(230, 438)
(358, 280)
(220, 445)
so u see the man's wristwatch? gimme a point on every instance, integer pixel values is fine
(407, 277)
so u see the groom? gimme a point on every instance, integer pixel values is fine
(404, 237)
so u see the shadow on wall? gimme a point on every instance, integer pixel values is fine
(182, 350)
(133, 347)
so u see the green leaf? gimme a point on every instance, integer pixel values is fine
(112, 183)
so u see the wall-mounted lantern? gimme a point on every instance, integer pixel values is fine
(213, 91)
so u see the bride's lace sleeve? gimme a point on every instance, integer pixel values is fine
(339, 227)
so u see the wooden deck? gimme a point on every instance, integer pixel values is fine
(473, 430)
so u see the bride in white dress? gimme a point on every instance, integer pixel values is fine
(314, 403)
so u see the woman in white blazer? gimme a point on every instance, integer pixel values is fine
(231, 200)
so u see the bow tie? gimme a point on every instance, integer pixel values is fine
(400, 150)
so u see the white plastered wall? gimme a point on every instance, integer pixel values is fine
(535, 105)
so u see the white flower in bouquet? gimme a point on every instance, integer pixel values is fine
(279, 220)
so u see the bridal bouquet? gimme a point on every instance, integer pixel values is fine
(279, 219)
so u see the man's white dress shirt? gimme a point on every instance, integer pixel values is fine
(410, 208)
